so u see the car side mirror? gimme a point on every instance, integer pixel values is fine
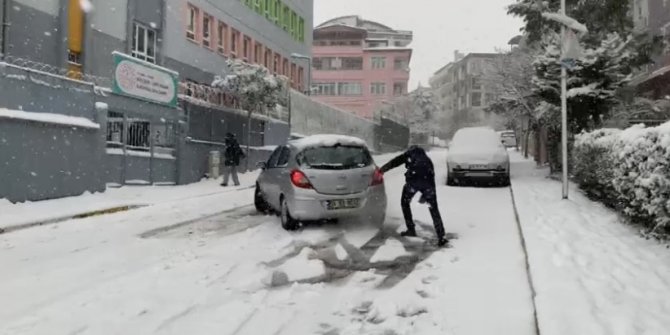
(262, 165)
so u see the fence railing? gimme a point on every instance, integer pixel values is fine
(57, 71)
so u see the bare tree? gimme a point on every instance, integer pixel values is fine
(510, 78)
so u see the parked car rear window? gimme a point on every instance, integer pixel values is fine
(335, 157)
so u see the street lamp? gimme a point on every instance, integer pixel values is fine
(309, 69)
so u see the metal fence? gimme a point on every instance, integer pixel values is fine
(57, 71)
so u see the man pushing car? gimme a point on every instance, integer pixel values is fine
(419, 178)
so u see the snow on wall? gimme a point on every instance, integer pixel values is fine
(57, 119)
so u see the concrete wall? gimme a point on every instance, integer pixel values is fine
(34, 31)
(37, 92)
(275, 133)
(310, 117)
(43, 161)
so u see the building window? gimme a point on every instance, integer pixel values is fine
(144, 43)
(276, 63)
(378, 62)
(294, 25)
(246, 48)
(349, 88)
(301, 78)
(399, 89)
(337, 63)
(294, 76)
(285, 68)
(476, 99)
(286, 17)
(258, 6)
(378, 88)
(276, 11)
(400, 64)
(234, 42)
(258, 53)
(301, 29)
(352, 63)
(268, 8)
(222, 35)
(207, 31)
(328, 89)
(268, 59)
(192, 23)
(476, 84)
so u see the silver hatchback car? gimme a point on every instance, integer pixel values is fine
(321, 177)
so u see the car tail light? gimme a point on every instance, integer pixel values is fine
(299, 179)
(377, 178)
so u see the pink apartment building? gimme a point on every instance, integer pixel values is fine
(359, 65)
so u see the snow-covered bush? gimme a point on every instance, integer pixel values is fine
(631, 168)
(593, 164)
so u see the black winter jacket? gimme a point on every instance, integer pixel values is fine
(420, 169)
(233, 153)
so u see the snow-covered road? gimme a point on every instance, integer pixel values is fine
(222, 273)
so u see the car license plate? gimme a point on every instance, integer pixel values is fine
(478, 167)
(342, 204)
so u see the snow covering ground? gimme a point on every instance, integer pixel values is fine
(39, 211)
(593, 275)
(202, 263)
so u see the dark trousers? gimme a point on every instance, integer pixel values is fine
(430, 196)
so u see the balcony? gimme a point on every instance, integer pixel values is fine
(336, 50)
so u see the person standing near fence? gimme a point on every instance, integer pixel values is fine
(232, 155)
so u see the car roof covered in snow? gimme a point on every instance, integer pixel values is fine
(326, 140)
(476, 137)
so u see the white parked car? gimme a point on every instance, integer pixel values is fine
(477, 154)
(322, 177)
(508, 138)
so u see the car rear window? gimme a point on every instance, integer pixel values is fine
(337, 157)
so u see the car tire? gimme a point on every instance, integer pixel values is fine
(287, 221)
(260, 203)
(451, 181)
(505, 181)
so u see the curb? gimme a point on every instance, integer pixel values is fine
(98, 212)
(529, 276)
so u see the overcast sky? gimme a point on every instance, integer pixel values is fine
(439, 26)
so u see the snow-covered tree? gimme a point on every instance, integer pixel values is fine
(510, 78)
(256, 88)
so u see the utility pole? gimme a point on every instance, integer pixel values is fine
(564, 110)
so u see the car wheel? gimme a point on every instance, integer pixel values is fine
(260, 203)
(451, 181)
(505, 181)
(287, 221)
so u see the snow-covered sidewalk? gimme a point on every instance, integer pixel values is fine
(592, 273)
(12, 215)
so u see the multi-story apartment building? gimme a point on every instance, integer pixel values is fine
(654, 16)
(461, 84)
(359, 64)
(192, 37)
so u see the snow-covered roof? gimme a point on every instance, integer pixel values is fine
(326, 140)
(354, 21)
(58, 119)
